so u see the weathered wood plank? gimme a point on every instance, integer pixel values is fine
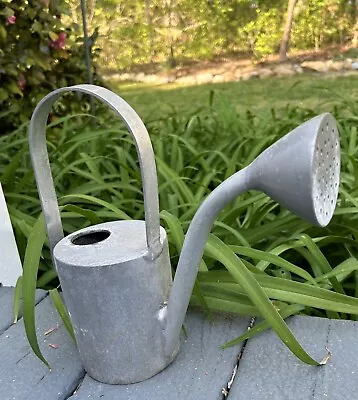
(23, 376)
(7, 306)
(199, 372)
(269, 371)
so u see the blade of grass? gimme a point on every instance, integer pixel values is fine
(238, 270)
(263, 326)
(17, 296)
(60, 307)
(31, 263)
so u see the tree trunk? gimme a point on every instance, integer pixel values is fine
(287, 30)
(355, 28)
(171, 57)
(148, 17)
(91, 8)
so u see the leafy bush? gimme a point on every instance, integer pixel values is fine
(320, 23)
(263, 34)
(257, 249)
(38, 53)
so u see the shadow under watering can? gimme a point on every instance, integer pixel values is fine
(116, 276)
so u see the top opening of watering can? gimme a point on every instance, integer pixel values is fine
(109, 243)
(88, 238)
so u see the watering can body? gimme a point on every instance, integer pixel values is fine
(116, 277)
(115, 292)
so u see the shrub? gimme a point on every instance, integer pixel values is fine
(263, 34)
(38, 54)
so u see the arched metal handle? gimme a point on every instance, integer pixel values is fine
(41, 165)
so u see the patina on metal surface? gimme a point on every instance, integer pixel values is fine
(116, 277)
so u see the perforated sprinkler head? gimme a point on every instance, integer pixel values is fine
(326, 171)
(301, 170)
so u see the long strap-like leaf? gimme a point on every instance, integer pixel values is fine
(241, 274)
(31, 264)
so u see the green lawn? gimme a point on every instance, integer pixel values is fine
(310, 91)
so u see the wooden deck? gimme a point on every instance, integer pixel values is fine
(266, 369)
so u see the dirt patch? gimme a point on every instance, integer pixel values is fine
(328, 61)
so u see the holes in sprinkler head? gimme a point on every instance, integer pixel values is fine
(90, 238)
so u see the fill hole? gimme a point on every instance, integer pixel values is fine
(91, 238)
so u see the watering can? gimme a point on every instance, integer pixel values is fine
(116, 277)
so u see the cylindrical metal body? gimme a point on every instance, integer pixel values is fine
(115, 293)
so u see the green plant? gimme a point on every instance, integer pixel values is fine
(38, 53)
(262, 35)
(257, 250)
(134, 32)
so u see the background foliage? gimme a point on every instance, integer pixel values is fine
(38, 53)
(169, 31)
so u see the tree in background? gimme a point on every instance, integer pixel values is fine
(167, 32)
(355, 28)
(287, 30)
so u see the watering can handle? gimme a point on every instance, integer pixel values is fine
(41, 165)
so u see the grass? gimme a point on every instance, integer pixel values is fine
(308, 91)
(259, 259)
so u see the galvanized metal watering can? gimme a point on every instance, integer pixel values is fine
(116, 276)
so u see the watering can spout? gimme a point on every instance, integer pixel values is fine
(192, 252)
(300, 171)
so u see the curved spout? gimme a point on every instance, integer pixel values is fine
(193, 250)
(292, 171)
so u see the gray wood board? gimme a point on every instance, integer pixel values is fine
(199, 372)
(268, 370)
(23, 375)
(7, 306)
